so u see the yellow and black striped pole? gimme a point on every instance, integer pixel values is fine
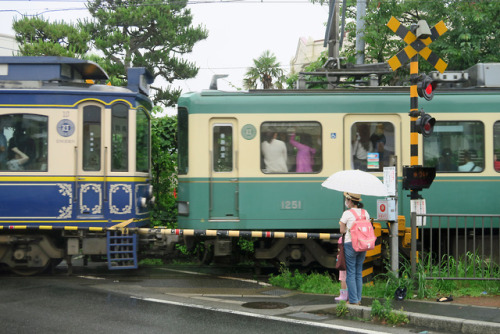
(414, 113)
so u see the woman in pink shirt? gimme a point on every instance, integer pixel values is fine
(305, 153)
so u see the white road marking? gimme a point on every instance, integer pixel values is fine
(261, 316)
(224, 277)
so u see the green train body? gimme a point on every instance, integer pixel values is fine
(225, 184)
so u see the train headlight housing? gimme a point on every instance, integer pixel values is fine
(183, 208)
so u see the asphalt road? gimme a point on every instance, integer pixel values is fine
(159, 300)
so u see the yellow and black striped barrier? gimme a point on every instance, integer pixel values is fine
(241, 234)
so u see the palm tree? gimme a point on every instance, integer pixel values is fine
(265, 69)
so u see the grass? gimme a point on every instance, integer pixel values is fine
(420, 287)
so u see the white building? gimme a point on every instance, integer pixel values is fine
(308, 50)
(8, 45)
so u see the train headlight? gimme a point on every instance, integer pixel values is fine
(144, 202)
(183, 208)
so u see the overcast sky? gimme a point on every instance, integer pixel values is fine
(239, 31)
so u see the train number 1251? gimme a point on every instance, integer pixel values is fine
(291, 205)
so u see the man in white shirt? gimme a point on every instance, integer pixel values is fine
(469, 165)
(275, 154)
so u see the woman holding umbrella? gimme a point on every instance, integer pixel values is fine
(353, 183)
(354, 260)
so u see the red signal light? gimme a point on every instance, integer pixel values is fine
(425, 124)
(430, 88)
(426, 87)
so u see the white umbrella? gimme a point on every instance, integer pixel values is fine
(357, 182)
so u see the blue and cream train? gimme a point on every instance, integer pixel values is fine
(74, 160)
(227, 182)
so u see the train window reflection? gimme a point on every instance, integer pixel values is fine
(373, 145)
(142, 141)
(223, 148)
(119, 138)
(496, 146)
(23, 142)
(182, 137)
(291, 147)
(91, 138)
(455, 146)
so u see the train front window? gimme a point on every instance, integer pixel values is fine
(142, 141)
(91, 138)
(455, 146)
(119, 138)
(291, 147)
(182, 135)
(496, 146)
(372, 145)
(222, 148)
(23, 143)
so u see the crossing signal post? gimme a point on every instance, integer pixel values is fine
(418, 40)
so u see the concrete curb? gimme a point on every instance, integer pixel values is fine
(454, 325)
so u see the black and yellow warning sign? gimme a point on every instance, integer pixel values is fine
(416, 45)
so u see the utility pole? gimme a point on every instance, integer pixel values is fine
(360, 31)
(332, 30)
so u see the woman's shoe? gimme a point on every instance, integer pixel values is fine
(343, 295)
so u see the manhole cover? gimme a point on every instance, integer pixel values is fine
(265, 305)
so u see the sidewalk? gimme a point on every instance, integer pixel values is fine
(450, 317)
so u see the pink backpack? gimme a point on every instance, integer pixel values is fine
(362, 235)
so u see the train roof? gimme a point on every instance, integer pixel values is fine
(480, 78)
(66, 74)
(49, 69)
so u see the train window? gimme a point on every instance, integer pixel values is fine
(373, 144)
(91, 138)
(496, 146)
(291, 147)
(455, 146)
(142, 141)
(182, 135)
(23, 142)
(119, 138)
(223, 148)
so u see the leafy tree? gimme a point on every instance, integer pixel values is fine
(320, 82)
(474, 31)
(266, 69)
(128, 33)
(153, 34)
(37, 37)
(164, 167)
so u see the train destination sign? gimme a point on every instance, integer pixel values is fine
(418, 177)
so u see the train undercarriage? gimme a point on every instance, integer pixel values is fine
(32, 252)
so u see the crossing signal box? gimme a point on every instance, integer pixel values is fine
(425, 124)
(426, 87)
(418, 177)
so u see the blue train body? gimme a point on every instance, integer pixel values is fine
(74, 154)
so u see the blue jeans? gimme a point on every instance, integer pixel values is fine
(354, 270)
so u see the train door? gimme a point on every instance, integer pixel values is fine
(90, 164)
(223, 170)
(372, 142)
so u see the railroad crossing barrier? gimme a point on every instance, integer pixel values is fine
(460, 247)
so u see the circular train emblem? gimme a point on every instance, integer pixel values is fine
(248, 131)
(65, 128)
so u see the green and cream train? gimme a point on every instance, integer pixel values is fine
(242, 164)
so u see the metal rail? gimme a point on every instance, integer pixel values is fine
(458, 246)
